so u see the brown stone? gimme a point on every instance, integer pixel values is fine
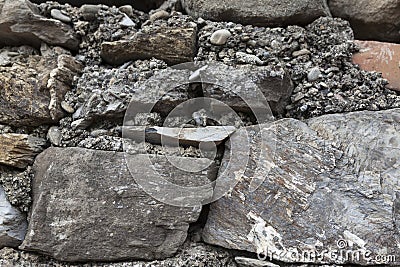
(174, 45)
(21, 23)
(31, 90)
(19, 150)
(380, 57)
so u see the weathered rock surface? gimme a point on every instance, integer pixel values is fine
(19, 150)
(13, 223)
(380, 57)
(160, 93)
(173, 44)
(21, 23)
(33, 88)
(240, 87)
(87, 206)
(258, 12)
(330, 186)
(370, 19)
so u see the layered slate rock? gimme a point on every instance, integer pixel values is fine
(33, 88)
(13, 223)
(173, 44)
(371, 20)
(21, 23)
(180, 136)
(380, 57)
(19, 150)
(244, 88)
(329, 185)
(75, 189)
(258, 12)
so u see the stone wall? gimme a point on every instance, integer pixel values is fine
(199, 133)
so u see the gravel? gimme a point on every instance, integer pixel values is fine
(325, 45)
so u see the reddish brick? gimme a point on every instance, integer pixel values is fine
(380, 57)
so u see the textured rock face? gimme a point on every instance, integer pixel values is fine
(370, 19)
(380, 57)
(76, 189)
(12, 223)
(258, 12)
(331, 186)
(32, 89)
(239, 87)
(21, 23)
(174, 45)
(19, 150)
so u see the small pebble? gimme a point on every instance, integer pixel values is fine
(313, 74)
(65, 106)
(248, 59)
(89, 12)
(127, 9)
(301, 52)
(162, 14)
(127, 22)
(54, 135)
(56, 14)
(220, 37)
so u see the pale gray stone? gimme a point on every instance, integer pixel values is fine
(328, 185)
(87, 206)
(220, 37)
(13, 223)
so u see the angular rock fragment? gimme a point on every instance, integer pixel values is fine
(173, 44)
(330, 186)
(371, 20)
(380, 57)
(258, 12)
(76, 189)
(32, 90)
(19, 150)
(13, 223)
(240, 87)
(180, 136)
(160, 93)
(21, 23)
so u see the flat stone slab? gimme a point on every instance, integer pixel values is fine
(174, 45)
(329, 191)
(19, 150)
(87, 206)
(380, 57)
(179, 136)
